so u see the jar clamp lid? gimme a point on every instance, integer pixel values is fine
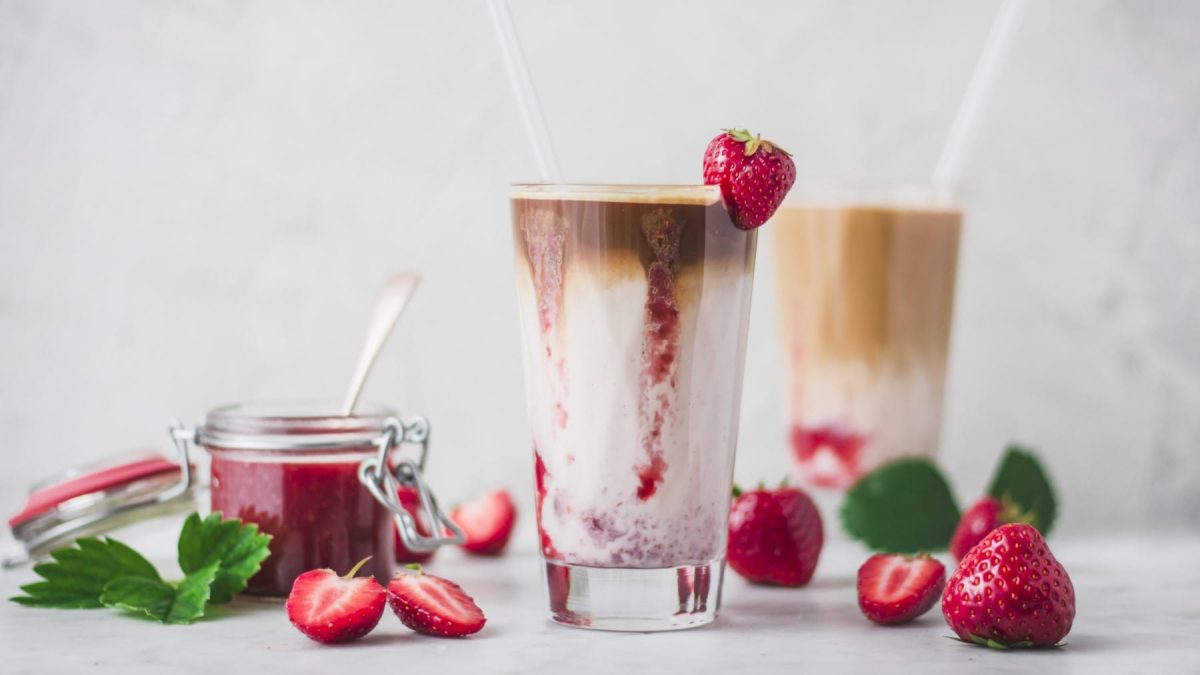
(101, 496)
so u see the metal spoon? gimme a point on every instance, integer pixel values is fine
(397, 291)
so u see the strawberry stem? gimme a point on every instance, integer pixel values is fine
(354, 570)
(415, 567)
(740, 135)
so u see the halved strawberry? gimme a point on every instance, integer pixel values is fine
(332, 609)
(433, 605)
(487, 522)
(411, 501)
(894, 588)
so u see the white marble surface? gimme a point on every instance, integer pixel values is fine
(1139, 611)
(197, 200)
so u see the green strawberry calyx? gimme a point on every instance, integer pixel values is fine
(992, 643)
(754, 142)
(1010, 512)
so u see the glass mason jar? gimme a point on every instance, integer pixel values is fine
(312, 481)
(325, 487)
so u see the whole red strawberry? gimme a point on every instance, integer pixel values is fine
(895, 588)
(775, 536)
(975, 524)
(1010, 591)
(754, 175)
(984, 516)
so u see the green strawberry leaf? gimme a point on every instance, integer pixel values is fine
(1021, 481)
(238, 548)
(166, 603)
(904, 506)
(77, 575)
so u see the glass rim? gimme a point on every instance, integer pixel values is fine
(682, 191)
(910, 195)
(291, 424)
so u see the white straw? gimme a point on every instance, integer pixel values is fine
(991, 61)
(518, 77)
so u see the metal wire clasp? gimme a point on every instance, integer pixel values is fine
(384, 476)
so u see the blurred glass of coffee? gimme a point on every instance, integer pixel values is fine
(866, 296)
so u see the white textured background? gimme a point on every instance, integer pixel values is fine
(198, 200)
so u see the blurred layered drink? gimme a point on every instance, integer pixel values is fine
(633, 304)
(866, 294)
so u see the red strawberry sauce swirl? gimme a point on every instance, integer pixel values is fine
(660, 346)
(539, 468)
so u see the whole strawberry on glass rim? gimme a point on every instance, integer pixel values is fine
(1010, 591)
(754, 175)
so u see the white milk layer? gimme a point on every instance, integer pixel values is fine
(896, 411)
(588, 418)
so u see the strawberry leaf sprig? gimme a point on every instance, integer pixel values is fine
(218, 556)
(906, 505)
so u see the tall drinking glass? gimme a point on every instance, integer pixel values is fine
(633, 303)
(866, 295)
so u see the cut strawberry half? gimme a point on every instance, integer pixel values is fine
(487, 522)
(411, 501)
(433, 605)
(332, 609)
(894, 588)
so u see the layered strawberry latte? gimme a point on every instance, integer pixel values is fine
(634, 303)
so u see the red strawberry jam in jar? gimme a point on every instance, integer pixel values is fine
(312, 480)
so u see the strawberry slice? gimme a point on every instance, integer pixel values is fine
(332, 609)
(894, 588)
(433, 605)
(487, 522)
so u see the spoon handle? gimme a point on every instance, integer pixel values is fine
(392, 299)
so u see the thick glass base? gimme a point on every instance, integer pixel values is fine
(626, 599)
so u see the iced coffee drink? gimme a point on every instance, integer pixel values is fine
(866, 292)
(633, 304)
